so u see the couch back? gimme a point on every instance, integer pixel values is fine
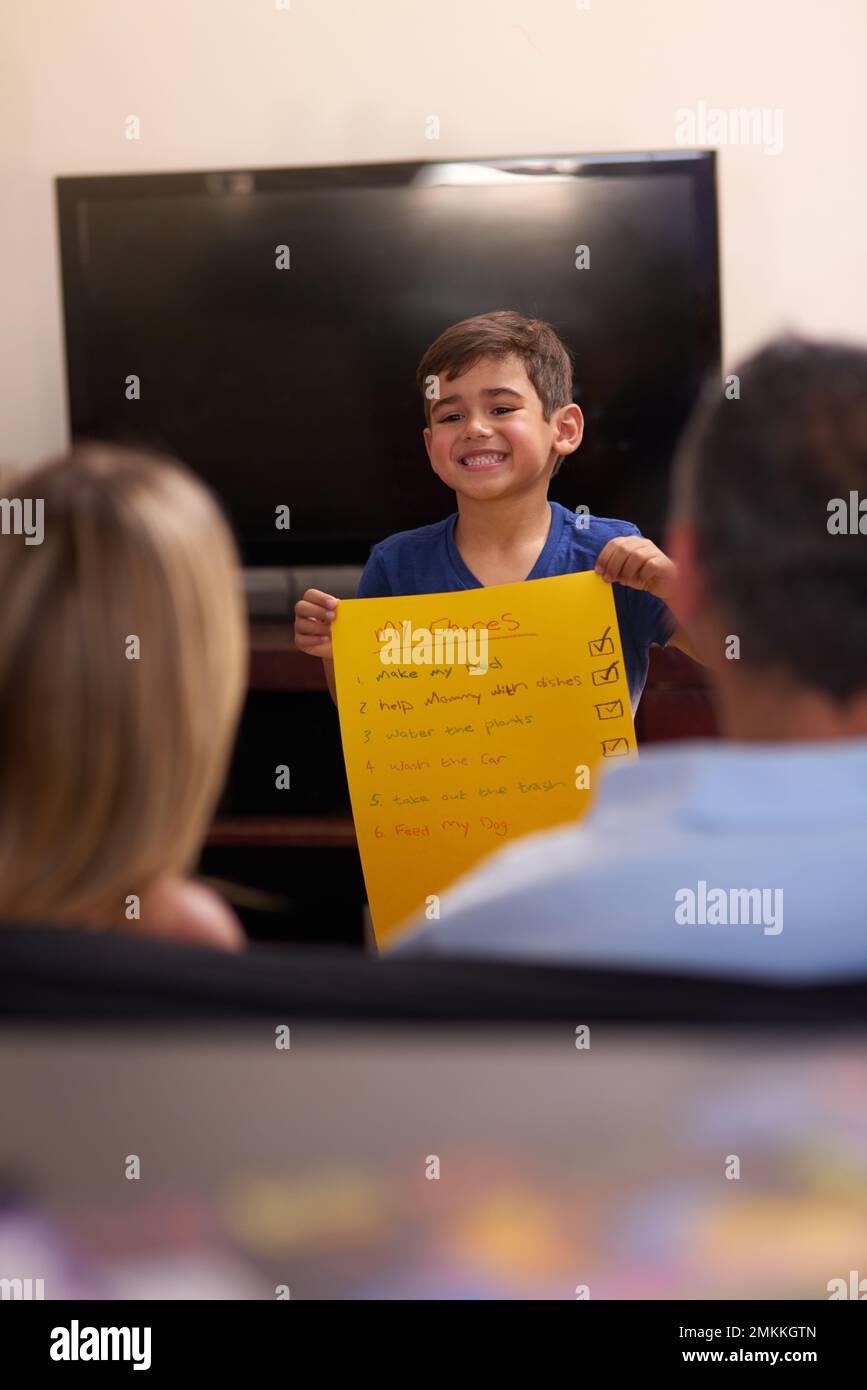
(60, 973)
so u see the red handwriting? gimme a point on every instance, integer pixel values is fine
(462, 827)
(499, 827)
(506, 621)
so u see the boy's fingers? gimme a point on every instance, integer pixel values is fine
(612, 555)
(318, 597)
(313, 612)
(642, 578)
(308, 609)
(604, 555)
(313, 626)
(612, 559)
(634, 564)
(621, 558)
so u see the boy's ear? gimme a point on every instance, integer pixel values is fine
(428, 440)
(688, 599)
(569, 430)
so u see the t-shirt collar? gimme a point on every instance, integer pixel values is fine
(540, 570)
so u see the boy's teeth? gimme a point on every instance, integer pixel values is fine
(480, 459)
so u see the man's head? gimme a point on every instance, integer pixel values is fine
(497, 392)
(755, 482)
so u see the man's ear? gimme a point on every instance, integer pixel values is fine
(688, 599)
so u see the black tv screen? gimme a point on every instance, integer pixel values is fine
(295, 386)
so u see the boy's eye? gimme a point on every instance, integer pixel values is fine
(447, 419)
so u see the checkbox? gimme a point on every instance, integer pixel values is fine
(609, 709)
(601, 646)
(606, 675)
(615, 748)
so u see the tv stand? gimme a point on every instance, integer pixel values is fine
(271, 592)
(288, 860)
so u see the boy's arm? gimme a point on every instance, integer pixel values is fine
(639, 564)
(314, 614)
(316, 611)
(680, 639)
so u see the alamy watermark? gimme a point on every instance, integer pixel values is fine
(853, 1287)
(705, 125)
(23, 516)
(439, 646)
(847, 516)
(77, 1343)
(22, 1289)
(721, 907)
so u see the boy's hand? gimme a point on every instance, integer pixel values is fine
(639, 564)
(314, 614)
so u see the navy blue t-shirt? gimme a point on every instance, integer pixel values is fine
(427, 561)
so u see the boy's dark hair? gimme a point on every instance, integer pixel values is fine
(756, 477)
(502, 334)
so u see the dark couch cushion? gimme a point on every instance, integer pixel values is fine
(59, 973)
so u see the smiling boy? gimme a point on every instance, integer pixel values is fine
(497, 392)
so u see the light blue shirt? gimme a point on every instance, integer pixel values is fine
(707, 857)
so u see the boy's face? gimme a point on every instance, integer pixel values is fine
(488, 437)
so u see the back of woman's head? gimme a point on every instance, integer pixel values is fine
(122, 669)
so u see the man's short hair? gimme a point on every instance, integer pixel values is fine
(757, 473)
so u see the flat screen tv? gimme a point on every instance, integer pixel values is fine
(295, 386)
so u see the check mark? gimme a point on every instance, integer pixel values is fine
(601, 646)
(615, 748)
(609, 709)
(606, 675)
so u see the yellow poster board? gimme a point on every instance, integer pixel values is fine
(446, 762)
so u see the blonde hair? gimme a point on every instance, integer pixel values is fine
(112, 753)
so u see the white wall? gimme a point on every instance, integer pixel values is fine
(243, 83)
